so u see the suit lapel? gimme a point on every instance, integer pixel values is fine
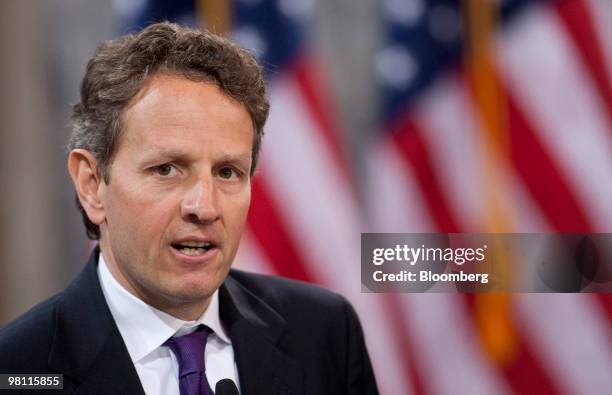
(87, 345)
(112, 372)
(88, 348)
(255, 329)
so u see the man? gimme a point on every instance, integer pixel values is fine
(164, 144)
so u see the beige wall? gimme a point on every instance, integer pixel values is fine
(43, 47)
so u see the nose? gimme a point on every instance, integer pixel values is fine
(199, 205)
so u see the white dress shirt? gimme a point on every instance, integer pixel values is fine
(144, 329)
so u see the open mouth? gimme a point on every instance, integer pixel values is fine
(193, 248)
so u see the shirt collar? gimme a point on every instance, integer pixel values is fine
(145, 328)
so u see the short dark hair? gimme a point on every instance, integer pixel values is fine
(119, 67)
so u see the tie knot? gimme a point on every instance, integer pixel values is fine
(189, 351)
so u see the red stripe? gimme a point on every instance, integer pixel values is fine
(415, 151)
(310, 81)
(540, 173)
(401, 338)
(272, 236)
(550, 190)
(523, 372)
(579, 24)
(271, 233)
(576, 17)
(313, 88)
(605, 300)
(267, 224)
(527, 376)
(541, 176)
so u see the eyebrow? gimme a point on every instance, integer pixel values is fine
(235, 158)
(157, 154)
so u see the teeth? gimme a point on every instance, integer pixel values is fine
(193, 251)
(196, 244)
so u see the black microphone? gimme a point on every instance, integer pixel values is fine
(226, 387)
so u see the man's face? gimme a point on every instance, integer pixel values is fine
(179, 192)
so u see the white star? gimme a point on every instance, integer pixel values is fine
(129, 8)
(249, 37)
(396, 67)
(299, 10)
(405, 12)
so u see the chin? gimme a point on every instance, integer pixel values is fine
(194, 291)
(195, 286)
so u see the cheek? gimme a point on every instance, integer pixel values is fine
(126, 209)
(133, 213)
(236, 212)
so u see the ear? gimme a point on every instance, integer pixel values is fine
(82, 166)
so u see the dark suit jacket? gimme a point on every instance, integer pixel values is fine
(288, 338)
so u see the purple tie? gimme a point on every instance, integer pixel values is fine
(189, 352)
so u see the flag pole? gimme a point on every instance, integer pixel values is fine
(215, 15)
(493, 310)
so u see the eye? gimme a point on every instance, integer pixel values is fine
(165, 170)
(228, 173)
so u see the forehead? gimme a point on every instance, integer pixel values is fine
(171, 108)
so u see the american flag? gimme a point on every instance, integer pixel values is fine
(495, 116)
